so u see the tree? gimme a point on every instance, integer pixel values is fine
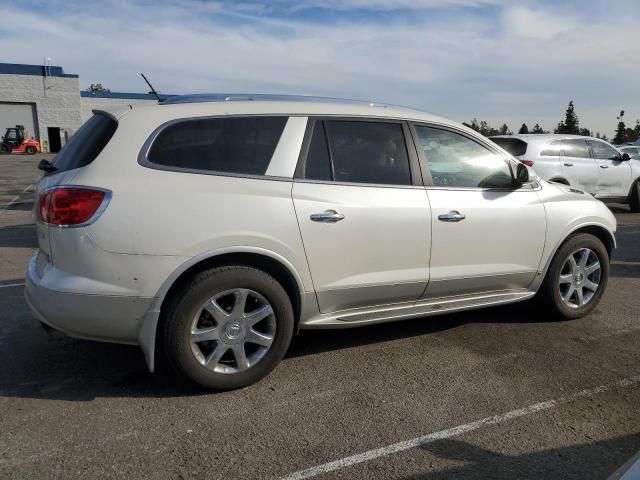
(97, 88)
(621, 132)
(585, 132)
(504, 130)
(523, 129)
(482, 127)
(598, 135)
(537, 129)
(571, 124)
(636, 132)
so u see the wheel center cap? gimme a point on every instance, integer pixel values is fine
(233, 330)
(579, 277)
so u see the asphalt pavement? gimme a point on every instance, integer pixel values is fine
(509, 392)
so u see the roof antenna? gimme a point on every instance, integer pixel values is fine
(153, 90)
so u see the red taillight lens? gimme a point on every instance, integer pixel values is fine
(66, 206)
(528, 163)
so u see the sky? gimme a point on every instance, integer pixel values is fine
(496, 60)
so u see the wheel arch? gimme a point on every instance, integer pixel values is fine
(269, 262)
(597, 230)
(561, 180)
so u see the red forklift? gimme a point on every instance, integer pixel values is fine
(15, 140)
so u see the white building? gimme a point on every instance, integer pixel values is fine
(49, 102)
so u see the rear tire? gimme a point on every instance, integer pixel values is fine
(228, 328)
(577, 276)
(634, 197)
(31, 150)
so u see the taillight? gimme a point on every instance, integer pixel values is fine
(71, 206)
(528, 163)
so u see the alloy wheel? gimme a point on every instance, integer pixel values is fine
(579, 278)
(233, 331)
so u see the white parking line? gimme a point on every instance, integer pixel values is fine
(12, 285)
(452, 432)
(6, 207)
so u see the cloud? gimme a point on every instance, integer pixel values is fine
(499, 63)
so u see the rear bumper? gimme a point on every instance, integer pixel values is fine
(107, 318)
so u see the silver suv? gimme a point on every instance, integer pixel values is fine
(588, 163)
(209, 229)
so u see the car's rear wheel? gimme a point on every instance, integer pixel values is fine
(634, 197)
(577, 276)
(229, 327)
(31, 150)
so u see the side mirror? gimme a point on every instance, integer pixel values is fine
(625, 157)
(522, 174)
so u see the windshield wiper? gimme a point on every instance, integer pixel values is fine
(46, 166)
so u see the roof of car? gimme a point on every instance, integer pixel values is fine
(184, 106)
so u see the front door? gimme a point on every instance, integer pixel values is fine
(365, 221)
(614, 175)
(486, 235)
(580, 169)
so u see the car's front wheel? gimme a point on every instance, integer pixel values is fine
(229, 327)
(577, 276)
(634, 197)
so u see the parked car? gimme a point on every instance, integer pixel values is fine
(633, 151)
(587, 163)
(210, 229)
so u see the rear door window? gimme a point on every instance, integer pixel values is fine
(553, 149)
(240, 145)
(576, 148)
(368, 152)
(86, 144)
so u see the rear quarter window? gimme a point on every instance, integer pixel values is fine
(242, 145)
(514, 146)
(86, 144)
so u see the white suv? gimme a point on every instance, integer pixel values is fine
(588, 163)
(212, 228)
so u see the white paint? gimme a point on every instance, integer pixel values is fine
(455, 431)
(6, 207)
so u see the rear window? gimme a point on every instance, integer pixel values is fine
(242, 145)
(576, 148)
(514, 146)
(553, 149)
(86, 144)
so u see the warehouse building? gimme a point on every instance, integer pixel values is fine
(50, 104)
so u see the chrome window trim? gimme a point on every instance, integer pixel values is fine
(108, 194)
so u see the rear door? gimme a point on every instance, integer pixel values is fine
(486, 235)
(580, 169)
(614, 175)
(363, 213)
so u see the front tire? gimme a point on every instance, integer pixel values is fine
(577, 276)
(634, 197)
(229, 327)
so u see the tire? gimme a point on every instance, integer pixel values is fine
(222, 326)
(31, 150)
(634, 197)
(5, 149)
(553, 288)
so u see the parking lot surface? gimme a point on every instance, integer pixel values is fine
(507, 392)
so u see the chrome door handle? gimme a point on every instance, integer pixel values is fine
(567, 164)
(452, 216)
(604, 166)
(329, 216)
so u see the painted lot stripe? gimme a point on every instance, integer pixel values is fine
(455, 431)
(10, 285)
